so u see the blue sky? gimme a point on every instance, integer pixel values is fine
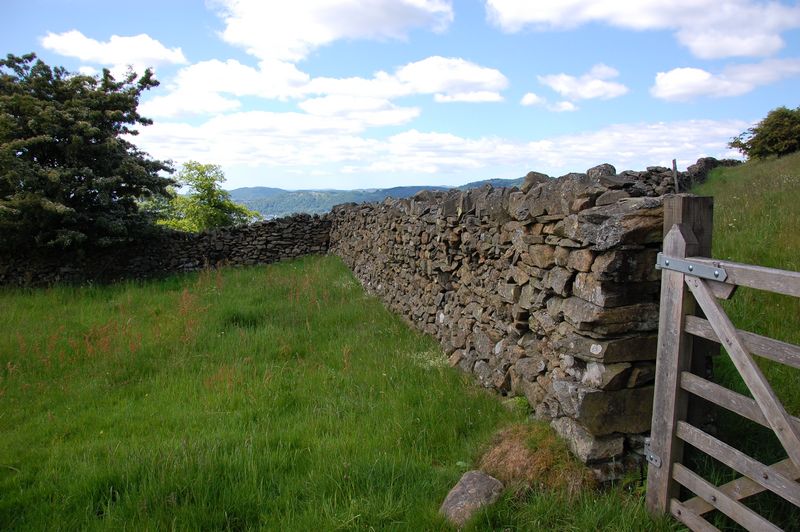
(379, 93)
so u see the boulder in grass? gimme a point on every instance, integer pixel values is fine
(474, 491)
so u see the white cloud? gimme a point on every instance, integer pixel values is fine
(260, 139)
(452, 79)
(187, 101)
(380, 85)
(139, 51)
(624, 145)
(680, 84)
(371, 112)
(213, 86)
(291, 30)
(338, 104)
(449, 79)
(207, 87)
(88, 71)
(470, 97)
(532, 99)
(709, 28)
(562, 107)
(288, 143)
(591, 85)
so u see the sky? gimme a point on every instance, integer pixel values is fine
(378, 93)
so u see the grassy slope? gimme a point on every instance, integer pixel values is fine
(757, 221)
(276, 397)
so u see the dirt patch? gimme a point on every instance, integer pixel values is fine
(530, 455)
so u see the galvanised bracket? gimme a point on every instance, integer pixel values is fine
(689, 267)
(649, 455)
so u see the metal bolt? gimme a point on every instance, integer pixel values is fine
(716, 273)
(764, 476)
(666, 263)
(691, 268)
(713, 498)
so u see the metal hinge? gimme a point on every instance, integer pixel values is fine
(650, 456)
(697, 269)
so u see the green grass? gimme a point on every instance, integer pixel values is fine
(277, 398)
(282, 397)
(757, 221)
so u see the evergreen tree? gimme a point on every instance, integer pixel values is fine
(69, 176)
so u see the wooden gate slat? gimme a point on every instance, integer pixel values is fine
(727, 505)
(762, 346)
(719, 395)
(772, 408)
(689, 518)
(759, 277)
(742, 487)
(768, 477)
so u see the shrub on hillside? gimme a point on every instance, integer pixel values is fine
(778, 134)
(206, 206)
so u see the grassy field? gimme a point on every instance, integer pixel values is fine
(757, 221)
(277, 398)
(282, 397)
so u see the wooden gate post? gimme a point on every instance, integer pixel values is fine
(697, 213)
(683, 215)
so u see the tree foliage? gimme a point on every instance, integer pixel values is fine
(69, 176)
(206, 206)
(777, 134)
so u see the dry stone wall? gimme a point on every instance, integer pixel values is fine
(172, 252)
(547, 292)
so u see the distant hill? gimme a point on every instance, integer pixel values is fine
(249, 193)
(497, 183)
(274, 202)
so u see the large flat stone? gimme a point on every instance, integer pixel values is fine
(474, 491)
(628, 411)
(630, 265)
(606, 376)
(584, 446)
(631, 221)
(584, 315)
(626, 349)
(589, 287)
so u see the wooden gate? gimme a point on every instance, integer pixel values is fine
(690, 288)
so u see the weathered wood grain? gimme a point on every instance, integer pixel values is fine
(721, 501)
(767, 476)
(719, 395)
(742, 487)
(759, 277)
(673, 356)
(782, 352)
(770, 405)
(689, 518)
